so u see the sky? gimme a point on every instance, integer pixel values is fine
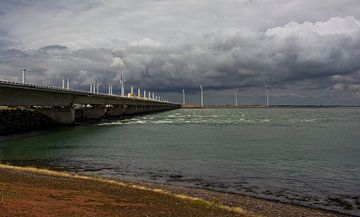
(307, 51)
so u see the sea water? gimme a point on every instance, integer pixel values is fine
(305, 156)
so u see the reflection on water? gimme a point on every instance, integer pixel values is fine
(304, 156)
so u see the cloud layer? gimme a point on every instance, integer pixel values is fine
(167, 46)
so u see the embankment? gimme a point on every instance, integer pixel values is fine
(26, 191)
(34, 192)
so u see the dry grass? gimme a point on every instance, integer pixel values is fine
(194, 200)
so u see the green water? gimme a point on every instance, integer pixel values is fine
(309, 157)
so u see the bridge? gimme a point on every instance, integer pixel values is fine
(67, 105)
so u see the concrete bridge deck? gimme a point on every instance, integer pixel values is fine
(66, 106)
(18, 94)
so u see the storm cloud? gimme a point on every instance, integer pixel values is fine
(303, 51)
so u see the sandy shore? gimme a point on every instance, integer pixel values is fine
(38, 192)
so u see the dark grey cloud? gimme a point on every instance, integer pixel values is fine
(303, 50)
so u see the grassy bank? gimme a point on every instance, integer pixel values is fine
(27, 191)
(39, 192)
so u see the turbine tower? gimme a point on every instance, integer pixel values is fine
(97, 86)
(94, 87)
(236, 98)
(201, 96)
(63, 83)
(110, 89)
(267, 95)
(183, 95)
(23, 76)
(67, 83)
(122, 83)
(131, 91)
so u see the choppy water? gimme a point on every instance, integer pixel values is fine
(304, 156)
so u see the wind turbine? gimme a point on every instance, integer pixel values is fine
(236, 98)
(97, 86)
(122, 83)
(267, 95)
(67, 80)
(201, 96)
(23, 78)
(110, 89)
(63, 83)
(91, 88)
(184, 99)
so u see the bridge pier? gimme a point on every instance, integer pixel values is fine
(63, 116)
(130, 110)
(94, 113)
(114, 112)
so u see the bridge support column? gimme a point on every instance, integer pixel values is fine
(94, 113)
(63, 116)
(115, 111)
